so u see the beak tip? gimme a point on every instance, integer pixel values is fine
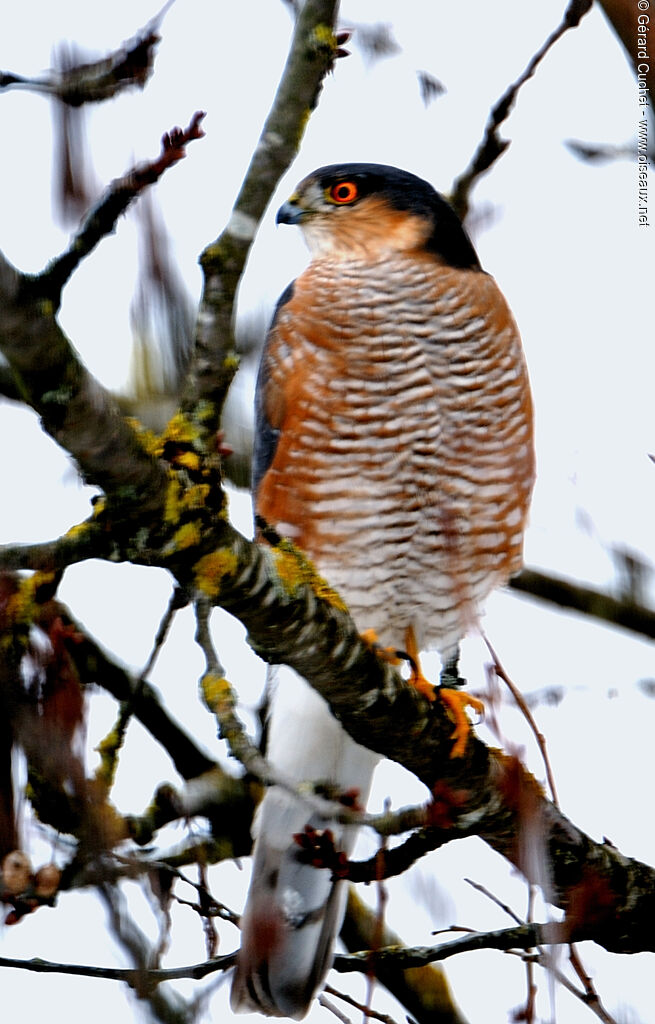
(288, 213)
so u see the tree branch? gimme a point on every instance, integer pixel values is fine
(313, 50)
(95, 81)
(424, 992)
(523, 936)
(492, 146)
(95, 667)
(607, 896)
(101, 220)
(595, 603)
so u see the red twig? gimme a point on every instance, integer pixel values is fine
(527, 714)
(173, 148)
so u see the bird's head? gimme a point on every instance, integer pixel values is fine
(374, 210)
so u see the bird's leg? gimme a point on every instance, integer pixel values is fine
(417, 679)
(450, 677)
(449, 691)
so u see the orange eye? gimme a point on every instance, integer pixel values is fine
(344, 192)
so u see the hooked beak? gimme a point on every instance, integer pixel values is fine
(290, 213)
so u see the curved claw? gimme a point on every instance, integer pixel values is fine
(456, 702)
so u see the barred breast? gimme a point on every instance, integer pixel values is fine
(405, 462)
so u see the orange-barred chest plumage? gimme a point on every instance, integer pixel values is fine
(404, 463)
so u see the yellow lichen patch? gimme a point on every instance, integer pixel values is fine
(148, 440)
(173, 503)
(205, 410)
(180, 430)
(187, 536)
(19, 608)
(210, 570)
(108, 749)
(99, 507)
(231, 362)
(188, 460)
(295, 570)
(216, 690)
(195, 497)
(323, 36)
(77, 531)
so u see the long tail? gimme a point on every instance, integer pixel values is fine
(294, 910)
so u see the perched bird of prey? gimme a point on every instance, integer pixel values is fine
(393, 446)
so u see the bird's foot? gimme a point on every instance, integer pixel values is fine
(457, 701)
(390, 654)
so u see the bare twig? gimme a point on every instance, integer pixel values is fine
(425, 993)
(494, 899)
(590, 997)
(101, 220)
(492, 145)
(328, 1005)
(178, 600)
(313, 51)
(131, 976)
(527, 714)
(366, 1009)
(166, 1006)
(567, 594)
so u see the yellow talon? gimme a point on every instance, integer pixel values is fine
(456, 702)
(390, 654)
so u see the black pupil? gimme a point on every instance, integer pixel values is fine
(343, 192)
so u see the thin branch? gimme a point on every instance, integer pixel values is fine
(494, 899)
(95, 81)
(131, 976)
(96, 667)
(359, 1006)
(313, 51)
(527, 714)
(178, 600)
(425, 994)
(523, 936)
(590, 996)
(101, 219)
(87, 540)
(328, 1005)
(595, 603)
(492, 146)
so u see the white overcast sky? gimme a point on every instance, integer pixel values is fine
(562, 239)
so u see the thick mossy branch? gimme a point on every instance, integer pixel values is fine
(312, 54)
(607, 896)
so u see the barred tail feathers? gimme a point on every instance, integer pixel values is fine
(294, 910)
